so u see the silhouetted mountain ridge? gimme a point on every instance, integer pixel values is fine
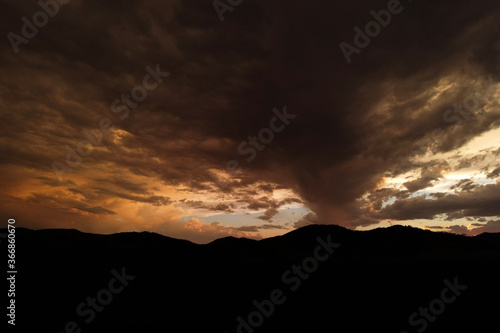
(180, 285)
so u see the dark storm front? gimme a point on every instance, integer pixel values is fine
(381, 19)
(255, 144)
(293, 279)
(122, 106)
(30, 28)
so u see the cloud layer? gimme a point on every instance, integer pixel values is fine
(370, 137)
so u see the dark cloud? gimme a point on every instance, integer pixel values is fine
(429, 174)
(495, 173)
(252, 228)
(267, 188)
(269, 214)
(454, 215)
(490, 226)
(261, 203)
(222, 207)
(459, 229)
(482, 201)
(66, 204)
(155, 200)
(468, 162)
(272, 226)
(309, 218)
(256, 228)
(287, 201)
(435, 227)
(464, 185)
(98, 210)
(271, 206)
(56, 183)
(123, 184)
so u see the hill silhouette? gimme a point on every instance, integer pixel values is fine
(373, 280)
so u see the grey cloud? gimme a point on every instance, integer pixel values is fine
(495, 173)
(268, 214)
(222, 207)
(464, 185)
(56, 183)
(155, 200)
(482, 201)
(256, 228)
(429, 173)
(309, 218)
(436, 227)
(98, 210)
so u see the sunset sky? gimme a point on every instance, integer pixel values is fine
(407, 132)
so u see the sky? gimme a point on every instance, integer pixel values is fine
(205, 119)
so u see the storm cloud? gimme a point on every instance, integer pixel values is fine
(400, 112)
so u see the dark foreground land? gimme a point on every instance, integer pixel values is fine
(345, 281)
